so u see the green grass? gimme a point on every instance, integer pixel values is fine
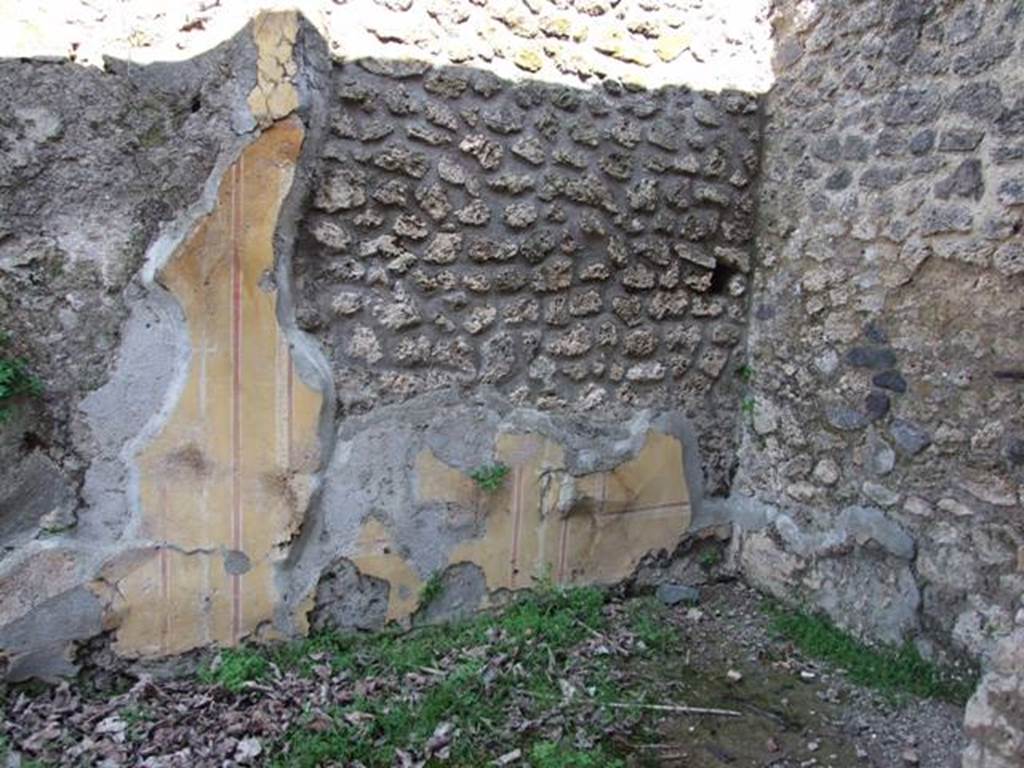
(15, 380)
(549, 754)
(709, 558)
(235, 667)
(648, 620)
(894, 671)
(432, 589)
(536, 630)
(490, 477)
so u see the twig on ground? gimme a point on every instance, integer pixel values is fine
(681, 709)
(677, 708)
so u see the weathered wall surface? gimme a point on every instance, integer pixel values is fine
(584, 502)
(201, 442)
(92, 162)
(285, 304)
(887, 333)
(257, 446)
(577, 251)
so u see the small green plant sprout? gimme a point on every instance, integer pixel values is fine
(234, 667)
(15, 380)
(745, 373)
(490, 477)
(432, 589)
(748, 405)
(709, 558)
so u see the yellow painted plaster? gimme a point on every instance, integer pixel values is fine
(231, 469)
(544, 522)
(377, 557)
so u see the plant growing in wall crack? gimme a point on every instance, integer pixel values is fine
(431, 590)
(15, 380)
(490, 477)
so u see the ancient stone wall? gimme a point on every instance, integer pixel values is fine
(289, 295)
(243, 432)
(91, 164)
(887, 334)
(575, 250)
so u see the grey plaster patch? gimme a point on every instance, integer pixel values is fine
(122, 415)
(37, 496)
(347, 599)
(867, 596)
(371, 475)
(463, 589)
(39, 644)
(674, 594)
(236, 562)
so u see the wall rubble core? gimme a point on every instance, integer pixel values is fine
(322, 287)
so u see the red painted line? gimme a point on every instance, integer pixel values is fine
(236, 392)
(516, 491)
(562, 546)
(165, 576)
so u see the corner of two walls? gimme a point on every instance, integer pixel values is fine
(882, 471)
(580, 332)
(533, 259)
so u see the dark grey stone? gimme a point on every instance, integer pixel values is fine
(463, 588)
(910, 438)
(855, 149)
(960, 140)
(966, 181)
(877, 405)
(874, 333)
(965, 26)
(911, 106)
(939, 219)
(839, 180)
(1011, 120)
(891, 380)
(674, 594)
(980, 100)
(982, 57)
(881, 177)
(1011, 192)
(902, 45)
(845, 419)
(34, 490)
(871, 357)
(922, 142)
(1015, 451)
(1005, 155)
(890, 143)
(236, 562)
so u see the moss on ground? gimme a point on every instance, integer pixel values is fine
(894, 671)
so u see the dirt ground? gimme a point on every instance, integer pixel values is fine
(797, 712)
(789, 711)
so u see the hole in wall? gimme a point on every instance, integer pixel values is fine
(720, 277)
(30, 442)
